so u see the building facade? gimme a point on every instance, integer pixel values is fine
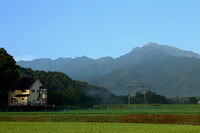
(30, 92)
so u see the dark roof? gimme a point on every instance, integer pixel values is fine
(43, 87)
(26, 83)
(22, 95)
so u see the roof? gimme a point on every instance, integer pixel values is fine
(26, 83)
(22, 95)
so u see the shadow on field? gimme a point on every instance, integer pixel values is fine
(151, 119)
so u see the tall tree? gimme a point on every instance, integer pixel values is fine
(193, 100)
(71, 94)
(152, 98)
(9, 75)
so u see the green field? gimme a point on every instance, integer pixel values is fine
(120, 110)
(151, 114)
(105, 119)
(52, 127)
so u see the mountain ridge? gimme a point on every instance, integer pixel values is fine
(148, 60)
(136, 48)
(71, 65)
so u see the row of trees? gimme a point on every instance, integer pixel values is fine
(185, 100)
(151, 98)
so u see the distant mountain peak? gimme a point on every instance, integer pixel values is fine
(150, 44)
(46, 59)
(63, 59)
(104, 59)
(82, 57)
(165, 49)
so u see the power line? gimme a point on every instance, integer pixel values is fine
(143, 86)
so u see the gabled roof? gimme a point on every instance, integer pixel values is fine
(26, 83)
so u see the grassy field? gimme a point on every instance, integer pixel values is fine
(150, 119)
(52, 127)
(152, 114)
(121, 110)
(107, 118)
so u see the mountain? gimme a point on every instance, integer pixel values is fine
(78, 68)
(167, 70)
(83, 68)
(166, 75)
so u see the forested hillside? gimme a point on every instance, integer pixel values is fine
(62, 90)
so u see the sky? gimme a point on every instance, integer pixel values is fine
(31, 29)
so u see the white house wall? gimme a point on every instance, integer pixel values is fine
(34, 92)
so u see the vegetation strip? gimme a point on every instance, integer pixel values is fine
(63, 127)
(151, 119)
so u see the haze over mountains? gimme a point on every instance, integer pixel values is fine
(167, 70)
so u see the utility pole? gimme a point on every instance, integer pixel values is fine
(129, 96)
(145, 96)
(144, 86)
(129, 99)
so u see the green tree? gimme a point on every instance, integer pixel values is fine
(9, 75)
(193, 100)
(71, 95)
(55, 97)
(152, 98)
(139, 98)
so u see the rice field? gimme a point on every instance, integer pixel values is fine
(62, 127)
(151, 114)
(120, 110)
(105, 119)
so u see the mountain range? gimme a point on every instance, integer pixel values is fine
(166, 70)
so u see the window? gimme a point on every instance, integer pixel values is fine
(23, 90)
(33, 91)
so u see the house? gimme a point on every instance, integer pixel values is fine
(30, 92)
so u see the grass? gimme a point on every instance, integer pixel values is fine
(151, 119)
(152, 114)
(121, 110)
(52, 127)
(107, 118)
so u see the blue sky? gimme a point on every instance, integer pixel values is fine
(32, 29)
